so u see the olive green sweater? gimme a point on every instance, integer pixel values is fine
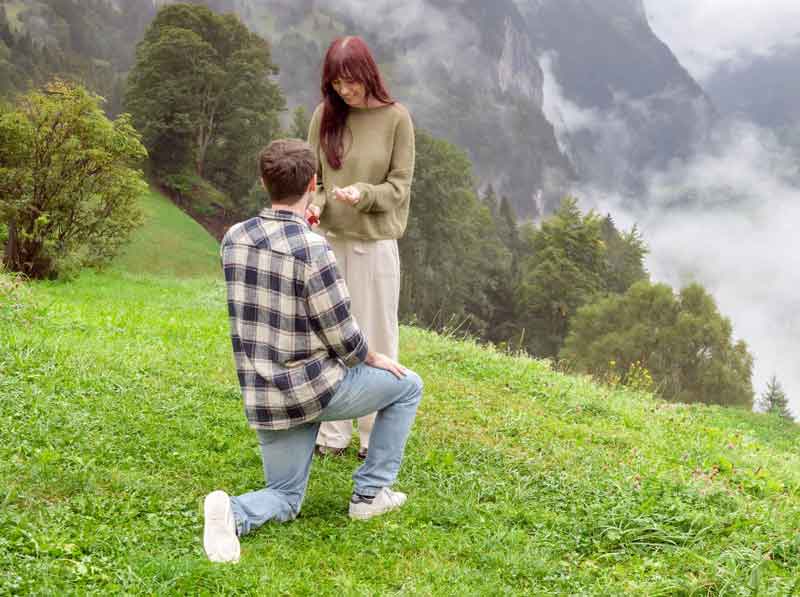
(379, 161)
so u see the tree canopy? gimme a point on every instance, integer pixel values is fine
(202, 95)
(681, 339)
(451, 253)
(69, 181)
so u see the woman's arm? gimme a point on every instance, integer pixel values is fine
(388, 195)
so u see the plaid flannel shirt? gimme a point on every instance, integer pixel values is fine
(292, 331)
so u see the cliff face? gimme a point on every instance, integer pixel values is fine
(466, 68)
(611, 102)
(765, 90)
(630, 105)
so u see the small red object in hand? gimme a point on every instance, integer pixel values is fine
(313, 220)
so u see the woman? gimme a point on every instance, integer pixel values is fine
(365, 148)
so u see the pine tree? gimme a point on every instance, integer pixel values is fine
(490, 201)
(625, 253)
(300, 123)
(774, 400)
(563, 269)
(507, 225)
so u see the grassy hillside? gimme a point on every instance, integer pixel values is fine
(119, 411)
(169, 243)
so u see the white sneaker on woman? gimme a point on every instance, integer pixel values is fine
(363, 508)
(219, 535)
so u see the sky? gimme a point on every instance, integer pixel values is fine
(707, 34)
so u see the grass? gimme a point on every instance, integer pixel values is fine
(119, 411)
(169, 244)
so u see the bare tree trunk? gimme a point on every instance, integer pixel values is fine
(11, 257)
(201, 153)
(203, 141)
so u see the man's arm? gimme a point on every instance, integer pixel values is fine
(328, 306)
(329, 312)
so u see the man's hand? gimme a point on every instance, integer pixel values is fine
(349, 194)
(381, 361)
(312, 215)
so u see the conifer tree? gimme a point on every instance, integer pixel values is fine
(507, 225)
(300, 123)
(774, 400)
(489, 199)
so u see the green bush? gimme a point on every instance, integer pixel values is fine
(69, 181)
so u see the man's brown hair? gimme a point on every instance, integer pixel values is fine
(287, 166)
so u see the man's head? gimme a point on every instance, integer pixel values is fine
(288, 170)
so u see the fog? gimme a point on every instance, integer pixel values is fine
(728, 218)
(707, 34)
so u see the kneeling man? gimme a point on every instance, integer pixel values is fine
(301, 360)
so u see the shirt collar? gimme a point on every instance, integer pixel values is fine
(282, 215)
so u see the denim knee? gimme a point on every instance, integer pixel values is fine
(414, 385)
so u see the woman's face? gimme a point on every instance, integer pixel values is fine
(352, 92)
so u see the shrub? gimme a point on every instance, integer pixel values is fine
(69, 181)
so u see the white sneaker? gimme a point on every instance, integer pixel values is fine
(219, 535)
(363, 508)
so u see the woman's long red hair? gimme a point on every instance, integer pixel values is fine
(347, 58)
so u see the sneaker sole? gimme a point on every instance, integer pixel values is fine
(217, 541)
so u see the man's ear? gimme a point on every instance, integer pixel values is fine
(312, 185)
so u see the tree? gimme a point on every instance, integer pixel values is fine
(489, 199)
(68, 181)
(452, 258)
(774, 400)
(507, 225)
(202, 95)
(300, 123)
(563, 269)
(682, 340)
(625, 253)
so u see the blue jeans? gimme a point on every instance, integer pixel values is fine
(287, 454)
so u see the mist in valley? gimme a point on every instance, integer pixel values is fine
(725, 217)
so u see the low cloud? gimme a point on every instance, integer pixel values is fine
(728, 219)
(708, 34)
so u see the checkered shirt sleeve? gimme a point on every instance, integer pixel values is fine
(329, 311)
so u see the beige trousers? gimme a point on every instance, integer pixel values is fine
(371, 270)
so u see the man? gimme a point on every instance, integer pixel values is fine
(301, 360)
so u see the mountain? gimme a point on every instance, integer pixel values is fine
(471, 72)
(479, 85)
(626, 105)
(764, 89)
(543, 94)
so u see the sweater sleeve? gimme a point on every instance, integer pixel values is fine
(319, 198)
(396, 191)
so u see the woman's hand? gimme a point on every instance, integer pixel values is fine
(349, 194)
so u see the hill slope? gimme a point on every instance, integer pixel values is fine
(169, 243)
(119, 410)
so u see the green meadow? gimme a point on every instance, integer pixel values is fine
(119, 411)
